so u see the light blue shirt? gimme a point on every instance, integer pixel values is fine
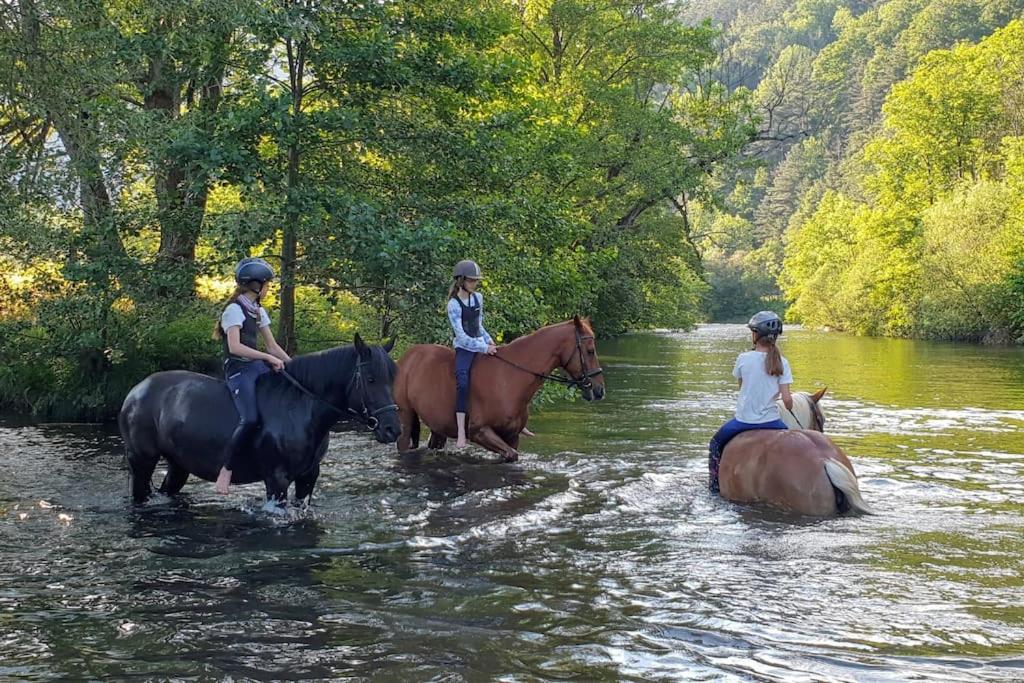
(463, 340)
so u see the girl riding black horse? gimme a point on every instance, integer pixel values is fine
(270, 426)
(242, 321)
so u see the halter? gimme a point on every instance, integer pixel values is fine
(356, 383)
(582, 382)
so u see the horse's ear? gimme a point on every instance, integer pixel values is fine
(576, 320)
(389, 347)
(816, 396)
(360, 345)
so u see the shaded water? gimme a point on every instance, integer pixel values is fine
(600, 556)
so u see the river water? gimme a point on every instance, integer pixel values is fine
(599, 556)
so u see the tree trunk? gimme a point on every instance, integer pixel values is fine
(182, 187)
(289, 244)
(289, 234)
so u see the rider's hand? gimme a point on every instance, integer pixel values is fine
(275, 363)
(491, 349)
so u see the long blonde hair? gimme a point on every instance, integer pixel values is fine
(773, 359)
(218, 331)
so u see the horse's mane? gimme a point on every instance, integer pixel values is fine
(324, 369)
(311, 367)
(584, 322)
(804, 402)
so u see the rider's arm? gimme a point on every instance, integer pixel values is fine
(784, 382)
(273, 348)
(237, 348)
(787, 397)
(483, 331)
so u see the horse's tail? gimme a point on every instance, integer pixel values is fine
(846, 482)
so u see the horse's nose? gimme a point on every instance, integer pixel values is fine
(388, 434)
(598, 393)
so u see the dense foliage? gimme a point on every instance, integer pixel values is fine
(857, 164)
(363, 148)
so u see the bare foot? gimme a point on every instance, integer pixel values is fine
(526, 432)
(223, 481)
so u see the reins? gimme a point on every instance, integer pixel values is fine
(365, 416)
(583, 381)
(815, 415)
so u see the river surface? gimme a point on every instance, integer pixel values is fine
(600, 556)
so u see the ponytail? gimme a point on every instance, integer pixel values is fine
(772, 359)
(218, 331)
(456, 286)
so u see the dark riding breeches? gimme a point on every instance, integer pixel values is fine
(463, 368)
(241, 382)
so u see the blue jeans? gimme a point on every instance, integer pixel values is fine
(463, 367)
(724, 436)
(242, 384)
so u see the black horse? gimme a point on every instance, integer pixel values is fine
(187, 418)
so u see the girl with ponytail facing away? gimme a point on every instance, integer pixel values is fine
(764, 376)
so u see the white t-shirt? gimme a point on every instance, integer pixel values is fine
(234, 316)
(756, 404)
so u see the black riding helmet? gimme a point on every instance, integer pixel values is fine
(766, 324)
(253, 269)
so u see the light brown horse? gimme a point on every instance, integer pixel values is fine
(797, 469)
(501, 386)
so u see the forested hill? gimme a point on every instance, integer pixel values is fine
(888, 195)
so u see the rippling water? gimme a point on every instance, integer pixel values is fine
(600, 556)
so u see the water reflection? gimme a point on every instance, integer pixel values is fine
(599, 556)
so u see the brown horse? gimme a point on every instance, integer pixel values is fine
(797, 469)
(501, 386)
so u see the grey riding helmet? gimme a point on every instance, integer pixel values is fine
(253, 270)
(467, 269)
(766, 324)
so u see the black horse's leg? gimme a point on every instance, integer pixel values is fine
(174, 480)
(437, 441)
(304, 485)
(277, 484)
(140, 472)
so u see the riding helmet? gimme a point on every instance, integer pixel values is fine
(467, 269)
(766, 324)
(253, 270)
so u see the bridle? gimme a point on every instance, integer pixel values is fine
(356, 384)
(816, 415)
(583, 382)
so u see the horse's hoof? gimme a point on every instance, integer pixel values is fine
(511, 457)
(275, 508)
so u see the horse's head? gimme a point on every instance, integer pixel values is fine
(578, 357)
(369, 391)
(806, 413)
